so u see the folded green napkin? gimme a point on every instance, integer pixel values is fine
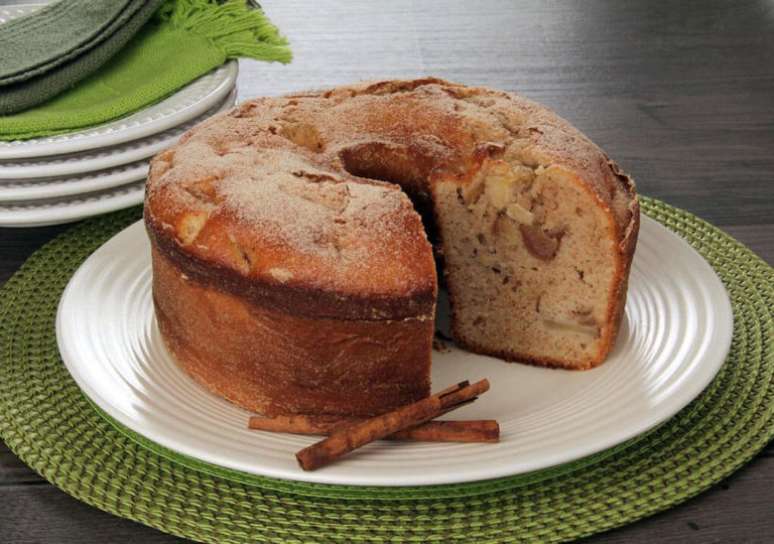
(49, 51)
(35, 43)
(185, 40)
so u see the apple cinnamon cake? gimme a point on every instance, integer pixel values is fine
(293, 242)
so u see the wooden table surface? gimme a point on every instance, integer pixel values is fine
(681, 94)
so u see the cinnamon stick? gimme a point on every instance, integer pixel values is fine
(345, 439)
(482, 430)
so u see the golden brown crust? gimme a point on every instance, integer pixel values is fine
(626, 248)
(275, 362)
(315, 301)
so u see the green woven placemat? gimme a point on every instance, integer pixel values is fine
(50, 425)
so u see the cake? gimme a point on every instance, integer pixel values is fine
(298, 241)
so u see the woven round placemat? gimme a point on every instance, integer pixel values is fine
(49, 424)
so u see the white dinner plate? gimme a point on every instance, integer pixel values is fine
(675, 336)
(101, 159)
(55, 211)
(189, 102)
(27, 191)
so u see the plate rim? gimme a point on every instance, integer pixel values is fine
(71, 186)
(711, 364)
(115, 198)
(79, 184)
(113, 159)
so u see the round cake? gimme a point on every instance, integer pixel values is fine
(297, 242)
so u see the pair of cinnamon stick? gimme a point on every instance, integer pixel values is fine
(410, 422)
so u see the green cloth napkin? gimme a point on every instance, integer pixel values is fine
(185, 40)
(42, 78)
(38, 42)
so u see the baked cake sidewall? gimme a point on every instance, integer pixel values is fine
(271, 362)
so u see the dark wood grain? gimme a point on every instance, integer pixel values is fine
(680, 93)
(14, 472)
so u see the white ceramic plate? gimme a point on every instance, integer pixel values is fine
(26, 191)
(675, 336)
(189, 102)
(109, 157)
(39, 213)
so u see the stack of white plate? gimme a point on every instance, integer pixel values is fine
(57, 179)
